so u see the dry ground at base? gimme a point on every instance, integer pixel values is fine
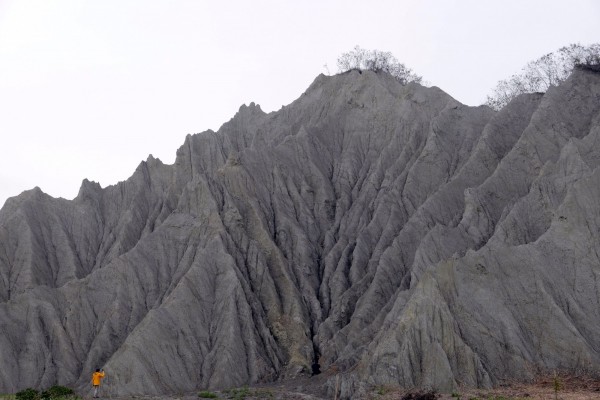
(572, 388)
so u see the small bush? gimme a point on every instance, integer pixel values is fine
(420, 396)
(380, 391)
(375, 60)
(28, 394)
(549, 70)
(207, 395)
(57, 392)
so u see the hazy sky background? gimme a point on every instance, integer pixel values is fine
(88, 89)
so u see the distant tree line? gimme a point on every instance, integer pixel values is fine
(375, 60)
(548, 70)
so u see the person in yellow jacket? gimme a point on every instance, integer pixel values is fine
(96, 379)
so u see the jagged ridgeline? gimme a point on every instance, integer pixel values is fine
(383, 232)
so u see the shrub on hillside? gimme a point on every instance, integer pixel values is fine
(548, 70)
(375, 60)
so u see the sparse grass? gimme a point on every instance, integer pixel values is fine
(383, 390)
(556, 385)
(380, 391)
(505, 398)
(238, 393)
(499, 397)
(244, 392)
(262, 394)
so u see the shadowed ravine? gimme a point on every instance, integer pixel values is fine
(387, 232)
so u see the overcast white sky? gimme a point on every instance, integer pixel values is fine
(88, 89)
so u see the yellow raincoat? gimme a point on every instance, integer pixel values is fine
(97, 377)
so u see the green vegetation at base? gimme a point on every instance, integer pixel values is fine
(244, 392)
(53, 393)
(381, 390)
(28, 394)
(263, 394)
(238, 393)
(57, 392)
(207, 395)
(556, 385)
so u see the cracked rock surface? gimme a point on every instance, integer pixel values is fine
(384, 232)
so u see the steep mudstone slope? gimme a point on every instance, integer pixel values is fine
(386, 232)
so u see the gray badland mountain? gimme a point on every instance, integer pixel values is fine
(387, 232)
